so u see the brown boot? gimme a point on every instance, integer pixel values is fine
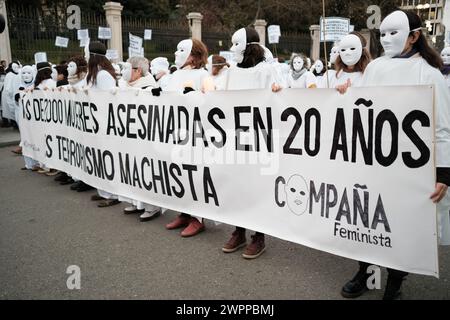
(236, 242)
(180, 222)
(255, 248)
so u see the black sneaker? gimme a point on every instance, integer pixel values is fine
(76, 185)
(61, 176)
(84, 187)
(393, 286)
(357, 286)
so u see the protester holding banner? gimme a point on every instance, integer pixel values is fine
(101, 75)
(299, 76)
(251, 73)
(136, 74)
(27, 75)
(409, 60)
(190, 58)
(352, 60)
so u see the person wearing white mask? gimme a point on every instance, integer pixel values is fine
(190, 58)
(251, 72)
(445, 55)
(318, 68)
(27, 75)
(77, 71)
(352, 61)
(299, 76)
(159, 68)
(330, 75)
(136, 74)
(10, 85)
(409, 60)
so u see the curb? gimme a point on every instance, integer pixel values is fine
(9, 143)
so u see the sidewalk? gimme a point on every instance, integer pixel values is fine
(9, 137)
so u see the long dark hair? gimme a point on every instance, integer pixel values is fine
(421, 45)
(253, 53)
(44, 73)
(98, 62)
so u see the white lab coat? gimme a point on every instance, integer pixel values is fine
(342, 77)
(305, 81)
(386, 71)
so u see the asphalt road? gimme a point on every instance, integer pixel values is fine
(45, 227)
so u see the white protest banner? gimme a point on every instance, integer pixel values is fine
(40, 57)
(334, 28)
(84, 42)
(61, 42)
(346, 174)
(104, 33)
(112, 54)
(83, 34)
(274, 34)
(148, 34)
(135, 42)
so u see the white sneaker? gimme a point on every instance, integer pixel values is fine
(131, 210)
(150, 215)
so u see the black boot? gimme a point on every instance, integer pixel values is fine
(393, 286)
(358, 285)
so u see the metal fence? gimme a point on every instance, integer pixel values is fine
(165, 36)
(31, 31)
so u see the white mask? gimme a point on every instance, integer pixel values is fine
(183, 52)
(394, 31)
(318, 66)
(71, 68)
(117, 70)
(54, 74)
(350, 49)
(239, 41)
(126, 71)
(15, 68)
(27, 74)
(334, 54)
(298, 64)
(158, 65)
(445, 54)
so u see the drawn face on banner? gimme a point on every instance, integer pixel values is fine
(318, 66)
(297, 194)
(394, 31)
(27, 74)
(183, 52)
(334, 54)
(239, 41)
(298, 64)
(445, 54)
(126, 71)
(71, 68)
(350, 49)
(15, 67)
